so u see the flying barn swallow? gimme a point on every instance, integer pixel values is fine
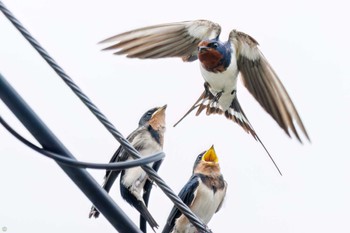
(204, 193)
(147, 139)
(220, 64)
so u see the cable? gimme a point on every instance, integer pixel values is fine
(75, 163)
(107, 124)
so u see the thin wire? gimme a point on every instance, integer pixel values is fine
(107, 124)
(74, 163)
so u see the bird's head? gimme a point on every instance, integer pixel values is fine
(214, 55)
(207, 162)
(154, 117)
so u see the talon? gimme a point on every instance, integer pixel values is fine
(218, 95)
(206, 86)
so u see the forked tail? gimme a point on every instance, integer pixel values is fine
(235, 113)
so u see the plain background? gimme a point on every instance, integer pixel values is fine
(307, 43)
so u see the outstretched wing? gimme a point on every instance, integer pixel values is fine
(263, 83)
(164, 40)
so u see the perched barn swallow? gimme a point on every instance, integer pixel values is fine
(204, 193)
(147, 139)
(220, 64)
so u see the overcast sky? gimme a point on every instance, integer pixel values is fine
(306, 42)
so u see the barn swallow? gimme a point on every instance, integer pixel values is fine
(204, 193)
(220, 64)
(147, 139)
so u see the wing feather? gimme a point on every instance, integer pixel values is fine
(164, 40)
(151, 42)
(173, 47)
(263, 83)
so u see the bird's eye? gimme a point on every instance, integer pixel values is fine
(200, 157)
(213, 45)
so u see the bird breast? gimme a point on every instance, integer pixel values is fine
(211, 60)
(135, 178)
(206, 202)
(204, 205)
(225, 81)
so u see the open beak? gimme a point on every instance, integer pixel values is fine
(210, 156)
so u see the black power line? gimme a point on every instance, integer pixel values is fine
(87, 184)
(103, 119)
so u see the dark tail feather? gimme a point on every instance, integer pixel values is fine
(140, 206)
(268, 153)
(146, 195)
(240, 118)
(194, 106)
(236, 114)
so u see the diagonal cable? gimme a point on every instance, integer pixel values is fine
(106, 123)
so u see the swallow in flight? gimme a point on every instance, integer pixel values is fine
(147, 139)
(220, 64)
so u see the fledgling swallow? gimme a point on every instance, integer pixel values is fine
(220, 64)
(147, 139)
(204, 194)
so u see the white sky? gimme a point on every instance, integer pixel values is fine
(307, 43)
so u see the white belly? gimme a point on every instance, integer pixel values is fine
(224, 82)
(135, 178)
(206, 209)
(204, 206)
